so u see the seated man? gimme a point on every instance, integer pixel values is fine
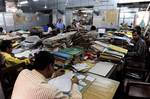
(10, 60)
(93, 34)
(60, 25)
(136, 56)
(2, 31)
(2, 62)
(34, 84)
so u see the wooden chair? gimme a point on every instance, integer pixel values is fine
(132, 74)
(135, 73)
(138, 90)
(8, 78)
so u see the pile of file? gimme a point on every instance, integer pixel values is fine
(121, 38)
(68, 55)
(109, 51)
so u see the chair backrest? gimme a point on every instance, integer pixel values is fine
(138, 90)
(8, 77)
(136, 73)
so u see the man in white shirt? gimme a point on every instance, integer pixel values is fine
(34, 84)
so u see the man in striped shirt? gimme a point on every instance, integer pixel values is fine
(34, 84)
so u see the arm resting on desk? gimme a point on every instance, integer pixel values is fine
(75, 94)
(10, 60)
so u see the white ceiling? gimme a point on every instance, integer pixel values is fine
(131, 1)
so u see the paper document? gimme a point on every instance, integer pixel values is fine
(89, 78)
(118, 49)
(26, 53)
(63, 83)
(124, 38)
(81, 76)
(101, 44)
(81, 66)
(18, 50)
(102, 68)
(97, 47)
(23, 54)
(114, 53)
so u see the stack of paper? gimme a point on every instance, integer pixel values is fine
(23, 54)
(26, 53)
(63, 83)
(121, 40)
(80, 67)
(72, 51)
(109, 51)
(129, 34)
(97, 47)
(18, 50)
(101, 44)
(114, 53)
(118, 49)
(101, 68)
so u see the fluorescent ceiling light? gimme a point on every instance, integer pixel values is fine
(35, 0)
(131, 1)
(45, 7)
(23, 2)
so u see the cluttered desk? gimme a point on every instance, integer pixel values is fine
(92, 68)
(8, 37)
(101, 88)
(93, 82)
(91, 86)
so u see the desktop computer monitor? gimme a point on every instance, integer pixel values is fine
(101, 31)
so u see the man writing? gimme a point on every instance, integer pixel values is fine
(34, 84)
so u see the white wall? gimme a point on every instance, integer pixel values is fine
(8, 21)
(61, 5)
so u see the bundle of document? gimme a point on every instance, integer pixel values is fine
(81, 66)
(109, 51)
(101, 68)
(65, 56)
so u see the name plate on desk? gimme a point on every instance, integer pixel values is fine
(101, 68)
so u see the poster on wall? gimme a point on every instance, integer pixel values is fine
(34, 18)
(19, 19)
(142, 18)
(111, 17)
(99, 18)
(30, 18)
(106, 18)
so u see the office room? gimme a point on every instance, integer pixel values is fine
(74, 49)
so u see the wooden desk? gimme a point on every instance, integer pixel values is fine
(101, 88)
(104, 69)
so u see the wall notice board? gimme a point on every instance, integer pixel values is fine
(106, 18)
